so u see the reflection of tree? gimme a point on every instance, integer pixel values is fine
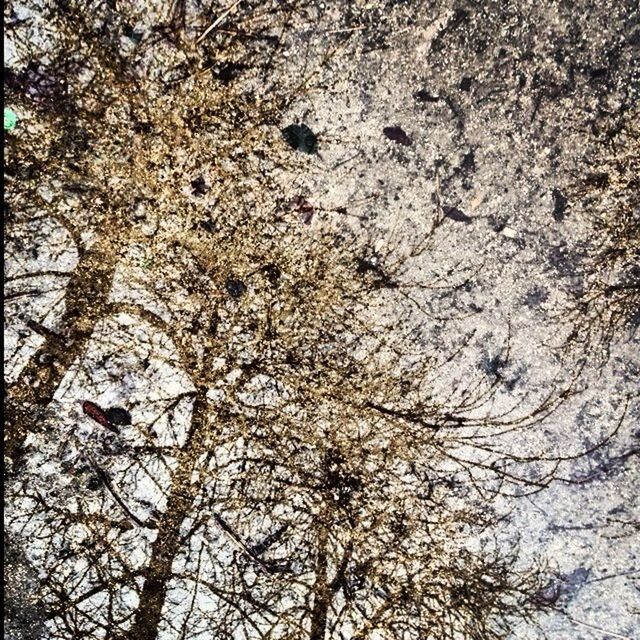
(296, 467)
(607, 196)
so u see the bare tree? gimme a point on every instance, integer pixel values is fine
(225, 418)
(606, 308)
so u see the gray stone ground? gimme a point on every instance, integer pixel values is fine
(501, 102)
(523, 97)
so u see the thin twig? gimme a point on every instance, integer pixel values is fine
(235, 538)
(107, 483)
(591, 626)
(347, 30)
(217, 21)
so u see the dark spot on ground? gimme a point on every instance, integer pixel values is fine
(465, 83)
(45, 358)
(213, 324)
(227, 72)
(572, 582)
(598, 73)
(94, 483)
(564, 261)
(142, 127)
(114, 447)
(535, 297)
(468, 164)
(559, 205)
(547, 596)
(398, 135)
(199, 186)
(300, 138)
(304, 208)
(134, 36)
(597, 180)
(380, 279)
(118, 415)
(425, 96)
(208, 225)
(40, 84)
(456, 214)
(492, 365)
(273, 273)
(235, 288)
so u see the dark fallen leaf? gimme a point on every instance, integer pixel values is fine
(199, 186)
(97, 414)
(134, 36)
(397, 135)
(118, 415)
(235, 288)
(465, 83)
(455, 214)
(559, 205)
(300, 138)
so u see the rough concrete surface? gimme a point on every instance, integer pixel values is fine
(328, 264)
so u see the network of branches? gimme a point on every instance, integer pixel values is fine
(607, 307)
(284, 460)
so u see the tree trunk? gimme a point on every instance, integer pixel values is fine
(86, 299)
(168, 544)
(321, 589)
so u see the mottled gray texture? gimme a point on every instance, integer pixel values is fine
(495, 114)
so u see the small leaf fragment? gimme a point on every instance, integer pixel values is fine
(118, 415)
(456, 214)
(300, 138)
(235, 288)
(398, 135)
